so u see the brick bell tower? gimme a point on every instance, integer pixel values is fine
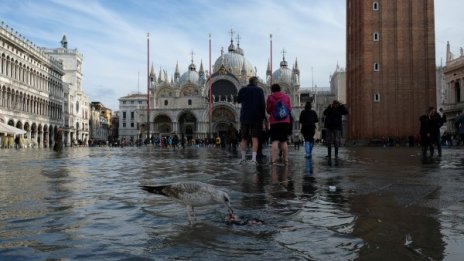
(390, 67)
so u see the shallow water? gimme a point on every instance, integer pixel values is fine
(370, 204)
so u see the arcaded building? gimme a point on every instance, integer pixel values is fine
(390, 67)
(454, 82)
(31, 89)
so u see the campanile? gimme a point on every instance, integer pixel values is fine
(390, 67)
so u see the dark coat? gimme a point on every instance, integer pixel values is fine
(425, 125)
(333, 117)
(253, 106)
(308, 120)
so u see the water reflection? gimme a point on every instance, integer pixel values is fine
(369, 204)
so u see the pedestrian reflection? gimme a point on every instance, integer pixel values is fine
(281, 185)
(309, 167)
(254, 187)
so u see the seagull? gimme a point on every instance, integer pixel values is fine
(192, 194)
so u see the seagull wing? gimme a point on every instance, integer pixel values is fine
(189, 193)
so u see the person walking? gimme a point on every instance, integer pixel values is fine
(232, 137)
(333, 125)
(308, 120)
(436, 121)
(279, 109)
(425, 132)
(252, 114)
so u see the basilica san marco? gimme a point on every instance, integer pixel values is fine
(181, 105)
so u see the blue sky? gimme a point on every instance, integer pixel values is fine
(111, 34)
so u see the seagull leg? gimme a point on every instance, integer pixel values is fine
(194, 215)
(191, 214)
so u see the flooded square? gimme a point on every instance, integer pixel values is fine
(369, 204)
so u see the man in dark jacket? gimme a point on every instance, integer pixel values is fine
(252, 115)
(436, 121)
(426, 132)
(308, 120)
(333, 125)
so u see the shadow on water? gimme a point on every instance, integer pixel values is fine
(368, 204)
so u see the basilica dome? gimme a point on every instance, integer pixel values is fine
(191, 76)
(283, 74)
(234, 61)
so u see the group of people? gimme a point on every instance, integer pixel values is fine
(278, 106)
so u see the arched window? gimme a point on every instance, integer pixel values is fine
(376, 97)
(376, 37)
(375, 6)
(189, 102)
(165, 102)
(376, 67)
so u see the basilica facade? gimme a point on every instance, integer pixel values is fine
(197, 104)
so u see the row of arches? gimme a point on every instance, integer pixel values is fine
(17, 100)
(37, 134)
(19, 71)
(188, 124)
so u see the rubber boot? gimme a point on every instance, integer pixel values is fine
(329, 152)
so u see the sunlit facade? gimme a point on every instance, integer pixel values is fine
(31, 89)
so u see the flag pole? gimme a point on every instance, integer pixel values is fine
(270, 38)
(148, 85)
(210, 91)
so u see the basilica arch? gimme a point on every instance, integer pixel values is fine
(224, 87)
(222, 117)
(163, 125)
(224, 90)
(187, 124)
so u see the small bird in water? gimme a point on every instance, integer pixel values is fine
(192, 194)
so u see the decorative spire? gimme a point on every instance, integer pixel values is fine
(152, 71)
(295, 67)
(268, 71)
(177, 73)
(239, 50)
(283, 63)
(192, 66)
(201, 67)
(231, 46)
(152, 75)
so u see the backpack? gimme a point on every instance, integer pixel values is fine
(280, 111)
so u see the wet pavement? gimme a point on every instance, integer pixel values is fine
(369, 204)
